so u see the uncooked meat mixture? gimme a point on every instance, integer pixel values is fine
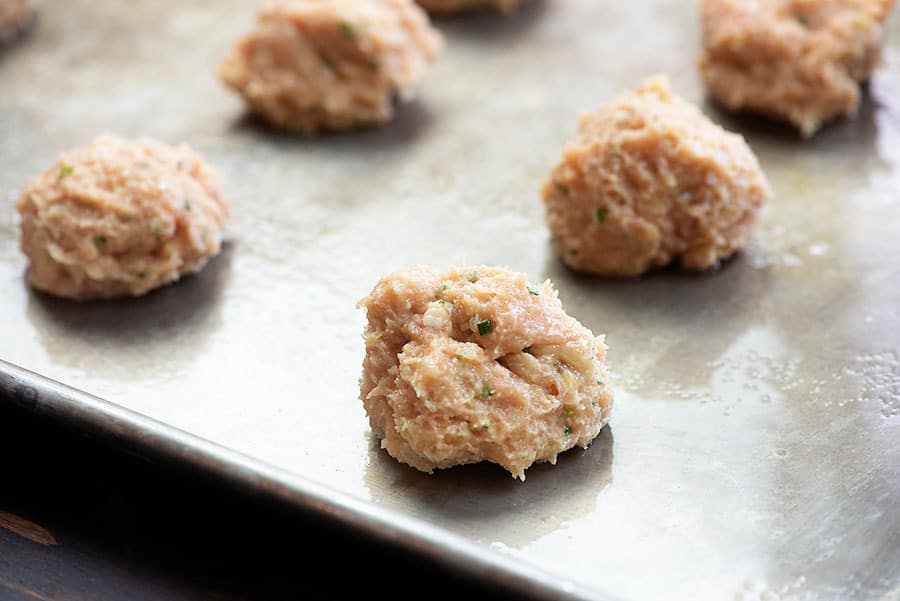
(313, 65)
(120, 218)
(648, 180)
(798, 60)
(477, 364)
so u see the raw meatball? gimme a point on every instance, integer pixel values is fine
(312, 65)
(14, 15)
(119, 218)
(647, 179)
(451, 7)
(797, 60)
(475, 364)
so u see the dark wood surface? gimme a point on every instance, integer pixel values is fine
(81, 521)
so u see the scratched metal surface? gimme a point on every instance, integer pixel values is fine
(752, 452)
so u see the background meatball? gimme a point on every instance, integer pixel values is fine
(797, 60)
(450, 7)
(120, 218)
(310, 65)
(14, 15)
(477, 365)
(647, 179)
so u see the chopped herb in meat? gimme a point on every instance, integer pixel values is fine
(484, 327)
(100, 241)
(600, 215)
(347, 30)
(527, 350)
(533, 291)
(187, 205)
(156, 230)
(568, 431)
(66, 170)
(486, 391)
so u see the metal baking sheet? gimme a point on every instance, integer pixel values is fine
(753, 450)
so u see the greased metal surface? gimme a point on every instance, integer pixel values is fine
(752, 452)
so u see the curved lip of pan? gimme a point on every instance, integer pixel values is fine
(130, 430)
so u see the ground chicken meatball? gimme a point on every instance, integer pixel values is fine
(797, 60)
(14, 15)
(452, 7)
(119, 218)
(475, 364)
(648, 179)
(312, 65)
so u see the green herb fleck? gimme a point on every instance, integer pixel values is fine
(66, 170)
(486, 391)
(570, 412)
(442, 303)
(472, 276)
(803, 20)
(347, 30)
(527, 349)
(157, 232)
(142, 275)
(187, 205)
(568, 431)
(100, 241)
(600, 382)
(532, 291)
(600, 215)
(484, 327)
(440, 289)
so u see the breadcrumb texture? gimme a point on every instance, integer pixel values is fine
(313, 65)
(452, 7)
(647, 180)
(14, 15)
(801, 61)
(120, 218)
(442, 388)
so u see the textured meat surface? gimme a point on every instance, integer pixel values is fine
(311, 65)
(649, 179)
(119, 218)
(451, 7)
(475, 364)
(797, 60)
(14, 14)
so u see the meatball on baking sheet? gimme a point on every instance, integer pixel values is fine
(752, 449)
